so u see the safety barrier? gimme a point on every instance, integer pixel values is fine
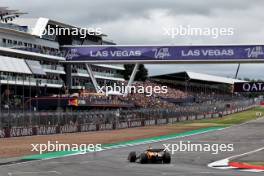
(149, 122)
(199, 117)
(122, 125)
(105, 127)
(183, 118)
(69, 129)
(2, 133)
(17, 132)
(72, 128)
(135, 124)
(161, 121)
(88, 127)
(46, 130)
(193, 117)
(215, 115)
(173, 120)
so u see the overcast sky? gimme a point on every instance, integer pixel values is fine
(142, 22)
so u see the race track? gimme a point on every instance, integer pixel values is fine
(246, 137)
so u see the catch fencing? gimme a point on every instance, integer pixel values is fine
(46, 123)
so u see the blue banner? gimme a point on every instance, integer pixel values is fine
(164, 53)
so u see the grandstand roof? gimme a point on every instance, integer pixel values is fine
(187, 75)
(8, 15)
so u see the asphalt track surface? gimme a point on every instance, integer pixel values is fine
(246, 137)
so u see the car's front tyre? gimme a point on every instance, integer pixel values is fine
(132, 157)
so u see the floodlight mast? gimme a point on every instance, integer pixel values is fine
(238, 67)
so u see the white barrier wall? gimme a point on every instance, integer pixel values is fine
(135, 124)
(199, 117)
(2, 133)
(106, 126)
(192, 117)
(183, 118)
(122, 125)
(173, 120)
(44, 130)
(215, 115)
(69, 129)
(88, 127)
(16, 132)
(161, 121)
(149, 122)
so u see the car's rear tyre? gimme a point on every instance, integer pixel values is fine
(132, 157)
(143, 158)
(166, 158)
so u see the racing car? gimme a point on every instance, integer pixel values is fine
(150, 156)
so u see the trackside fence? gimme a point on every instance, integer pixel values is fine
(72, 122)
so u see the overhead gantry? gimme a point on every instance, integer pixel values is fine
(125, 54)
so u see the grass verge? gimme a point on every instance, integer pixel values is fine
(229, 120)
(256, 163)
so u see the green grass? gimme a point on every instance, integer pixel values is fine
(256, 163)
(232, 119)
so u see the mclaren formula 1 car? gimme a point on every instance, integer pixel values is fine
(150, 156)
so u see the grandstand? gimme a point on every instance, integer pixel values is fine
(31, 63)
(197, 82)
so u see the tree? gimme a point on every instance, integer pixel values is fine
(142, 73)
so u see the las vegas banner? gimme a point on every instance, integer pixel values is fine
(165, 54)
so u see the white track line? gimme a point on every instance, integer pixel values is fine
(25, 173)
(223, 164)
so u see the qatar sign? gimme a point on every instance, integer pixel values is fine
(249, 87)
(165, 54)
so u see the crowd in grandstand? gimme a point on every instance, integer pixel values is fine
(169, 100)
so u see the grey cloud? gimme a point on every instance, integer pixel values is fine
(141, 21)
(110, 10)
